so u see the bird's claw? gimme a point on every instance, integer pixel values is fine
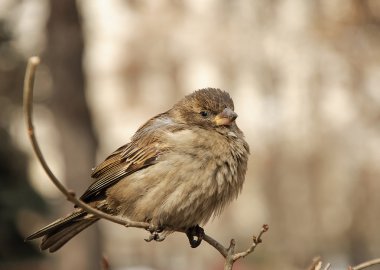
(154, 228)
(155, 234)
(193, 232)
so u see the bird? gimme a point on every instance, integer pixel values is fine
(181, 168)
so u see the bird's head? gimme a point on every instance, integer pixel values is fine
(207, 108)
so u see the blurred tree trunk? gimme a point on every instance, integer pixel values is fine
(78, 143)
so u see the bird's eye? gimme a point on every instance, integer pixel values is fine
(204, 113)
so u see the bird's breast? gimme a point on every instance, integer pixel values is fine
(192, 181)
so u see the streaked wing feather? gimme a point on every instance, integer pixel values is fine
(121, 163)
(109, 162)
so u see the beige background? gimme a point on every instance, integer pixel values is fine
(305, 79)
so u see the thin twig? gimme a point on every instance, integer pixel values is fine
(227, 253)
(219, 247)
(327, 267)
(28, 111)
(230, 256)
(255, 242)
(366, 264)
(316, 264)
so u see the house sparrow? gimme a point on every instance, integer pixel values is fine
(180, 168)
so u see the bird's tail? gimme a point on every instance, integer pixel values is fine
(58, 233)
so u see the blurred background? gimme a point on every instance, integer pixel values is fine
(305, 79)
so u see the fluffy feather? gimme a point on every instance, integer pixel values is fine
(180, 168)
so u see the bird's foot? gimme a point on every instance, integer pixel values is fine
(155, 234)
(155, 228)
(193, 232)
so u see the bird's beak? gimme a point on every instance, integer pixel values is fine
(225, 118)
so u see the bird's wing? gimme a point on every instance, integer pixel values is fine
(126, 160)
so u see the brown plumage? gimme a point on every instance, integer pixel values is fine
(180, 168)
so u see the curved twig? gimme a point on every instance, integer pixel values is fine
(366, 264)
(227, 253)
(28, 110)
(317, 264)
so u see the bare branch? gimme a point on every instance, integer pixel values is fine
(233, 257)
(316, 264)
(327, 267)
(28, 110)
(255, 242)
(212, 242)
(227, 253)
(230, 256)
(366, 264)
